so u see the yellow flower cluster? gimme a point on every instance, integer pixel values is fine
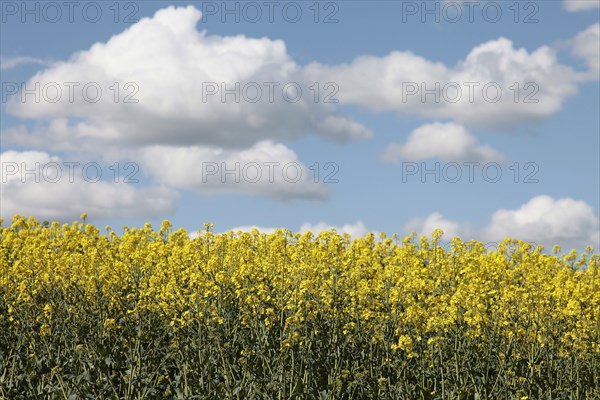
(365, 285)
(405, 296)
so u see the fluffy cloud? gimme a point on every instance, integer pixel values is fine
(580, 5)
(425, 226)
(568, 222)
(466, 93)
(586, 46)
(542, 220)
(184, 116)
(265, 169)
(447, 142)
(163, 82)
(66, 196)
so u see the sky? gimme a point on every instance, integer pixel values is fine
(476, 117)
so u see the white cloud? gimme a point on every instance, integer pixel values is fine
(171, 66)
(565, 221)
(266, 169)
(425, 226)
(7, 63)
(66, 196)
(399, 81)
(542, 220)
(580, 5)
(447, 142)
(171, 130)
(586, 46)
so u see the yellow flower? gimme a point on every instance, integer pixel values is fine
(45, 330)
(110, 324)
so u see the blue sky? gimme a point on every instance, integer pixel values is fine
(369, 131)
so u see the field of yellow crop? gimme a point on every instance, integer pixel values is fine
(153, 314)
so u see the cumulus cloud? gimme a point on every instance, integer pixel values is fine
(580, 5)
(447, 142)
(586, 45)
(163, 82)
(266, 169)
(52, 189)
(425, 226)
(542, 220)
(494, 80)
(567, 222)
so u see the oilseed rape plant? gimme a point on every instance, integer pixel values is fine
(91, 314)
